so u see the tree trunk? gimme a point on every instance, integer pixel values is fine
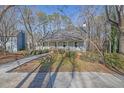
(110, 47)
(121, 43)
(121, 38)
(32, 45)
(4, 45)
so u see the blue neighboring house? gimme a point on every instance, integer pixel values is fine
(21, 41)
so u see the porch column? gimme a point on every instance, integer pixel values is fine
(57, 44)
(67, 45)
(42, 45)
(73, 45)
(48, 45)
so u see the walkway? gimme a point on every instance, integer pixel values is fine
(11, 65)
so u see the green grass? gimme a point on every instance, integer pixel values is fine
(115, 60)
(112, 60)
(66, 61)
(63, 60)
(90, 56)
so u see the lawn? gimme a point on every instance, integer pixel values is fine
(62, 62)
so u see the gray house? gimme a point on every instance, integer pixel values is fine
(65, 40)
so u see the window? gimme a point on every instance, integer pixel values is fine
(55, 44)
(75, 44)
(64, 44)
(43, 44)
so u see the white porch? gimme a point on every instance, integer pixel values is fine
(72, 45)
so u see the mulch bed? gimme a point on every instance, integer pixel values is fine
(31, 66)
(9, 58)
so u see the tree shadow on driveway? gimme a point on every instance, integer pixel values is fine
(72, 61)
(23, 81)
(52, 78)
(43, 69)
(40, 76)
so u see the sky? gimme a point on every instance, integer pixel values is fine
(69, 10)
(55, 8)
(72, 11)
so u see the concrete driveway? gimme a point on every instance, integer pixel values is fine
(62, 80)
(9, 66)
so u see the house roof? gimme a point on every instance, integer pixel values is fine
(64, 36)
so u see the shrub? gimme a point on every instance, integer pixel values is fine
(114, 60)
(40, 52)
(24, 53)
(36, 52)
(22, 49)
(45, 51)
(61, 51)
(71, 54)
(33, 52)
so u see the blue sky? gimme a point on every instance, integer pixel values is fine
(70, 10)
(49, 9)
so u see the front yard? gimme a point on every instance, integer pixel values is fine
(59, 69)
(62, 62)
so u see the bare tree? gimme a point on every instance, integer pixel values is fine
(4, 10)
(93, 26)
(29, 24)
(7, 27)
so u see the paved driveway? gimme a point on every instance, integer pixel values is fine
(62, 80)
(11, 65)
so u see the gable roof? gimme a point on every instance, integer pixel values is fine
(64, 36)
